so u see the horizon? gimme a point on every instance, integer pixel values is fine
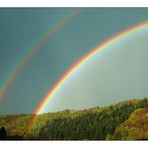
(78, 110)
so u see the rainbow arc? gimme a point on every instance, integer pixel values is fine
(32, 51)
(82, 61)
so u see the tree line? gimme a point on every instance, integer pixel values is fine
(93, 124)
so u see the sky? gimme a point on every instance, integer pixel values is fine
(113, 75)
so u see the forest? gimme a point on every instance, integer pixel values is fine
(127, 120)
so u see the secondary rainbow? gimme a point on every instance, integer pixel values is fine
(28, 56)
(97, 49)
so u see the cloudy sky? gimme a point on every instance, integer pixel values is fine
(117, 73)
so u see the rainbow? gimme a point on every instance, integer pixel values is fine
(76, 66)
(28, 56)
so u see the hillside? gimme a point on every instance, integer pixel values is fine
(97, 123)
(135, 128)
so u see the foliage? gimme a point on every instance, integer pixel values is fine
(135, 128)
(98, 123)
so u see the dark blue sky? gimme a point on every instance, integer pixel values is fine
(21, 28)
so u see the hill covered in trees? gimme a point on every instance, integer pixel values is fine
(135, 128)
(127, 120)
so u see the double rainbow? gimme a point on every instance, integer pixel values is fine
(31, 52)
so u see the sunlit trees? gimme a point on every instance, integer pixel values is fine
(100, 123)
(135, 128)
